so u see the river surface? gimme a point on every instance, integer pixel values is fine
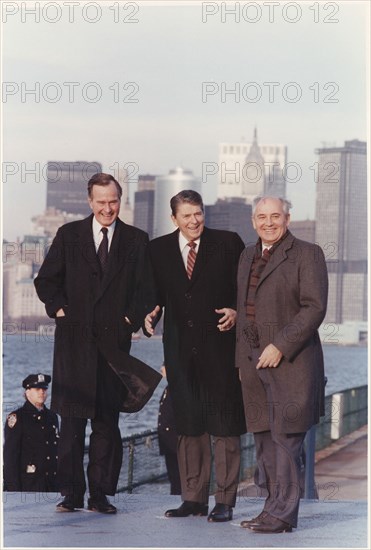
(26, 353)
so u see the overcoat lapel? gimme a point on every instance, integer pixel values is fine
(118, 253)
(86, 244)
(279, 256)
(177, 264)
(208, 247)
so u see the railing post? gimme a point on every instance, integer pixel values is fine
(131, 465)
(310, 449)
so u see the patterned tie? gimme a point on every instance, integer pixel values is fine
(103, 250)
(191, 258)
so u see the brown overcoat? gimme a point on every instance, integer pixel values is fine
(290, 304)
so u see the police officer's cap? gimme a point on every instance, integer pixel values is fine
(36, 381)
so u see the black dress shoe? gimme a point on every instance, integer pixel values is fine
(271, 524)
(221, 512)
(247, 523)
(69, 504)
(101, 504)
(188, 508)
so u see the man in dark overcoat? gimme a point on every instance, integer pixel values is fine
(90, 283)
(31, 441)
(194, 273)
(282, 299)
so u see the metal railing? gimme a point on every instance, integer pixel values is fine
(345, 412)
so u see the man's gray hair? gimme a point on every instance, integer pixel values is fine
(286, 204)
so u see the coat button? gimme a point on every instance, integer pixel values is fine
(194, 351)
(190, 323)
(188, 295)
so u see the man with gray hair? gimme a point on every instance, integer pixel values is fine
(282, 297)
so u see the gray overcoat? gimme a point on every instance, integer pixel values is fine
(290, 304)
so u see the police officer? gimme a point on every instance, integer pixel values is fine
(31, 441)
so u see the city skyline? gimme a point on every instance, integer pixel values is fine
(175, 81)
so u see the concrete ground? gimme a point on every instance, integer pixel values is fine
(338, 519)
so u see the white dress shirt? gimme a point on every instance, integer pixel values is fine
(184, 248)
(98, 235)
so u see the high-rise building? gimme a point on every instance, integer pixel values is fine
(341, 228)
(144, 206)
(144, 203)
(48, 223)
(177, 180)
(304, 230)
(146, 182)
(67, 185)
(126, 213)
(249, 169)
(232, 215)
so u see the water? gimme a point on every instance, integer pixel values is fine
(345, 367)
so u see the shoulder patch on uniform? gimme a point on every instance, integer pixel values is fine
(12, 420)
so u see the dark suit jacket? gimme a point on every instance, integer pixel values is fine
(290, 305)
(199, 359)
(95, 310)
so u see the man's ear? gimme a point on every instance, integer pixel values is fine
(173, 218)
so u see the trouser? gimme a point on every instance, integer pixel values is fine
(105, 446)
(194, 458)
(278, 457)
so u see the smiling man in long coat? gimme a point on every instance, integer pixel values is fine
(194, 271)
(90, 284)
(282, 298)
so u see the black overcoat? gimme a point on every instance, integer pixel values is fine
(95, 313)
(290, 305)
(31, 450)
(199, 359)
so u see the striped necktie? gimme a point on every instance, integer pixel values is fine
(191, 258)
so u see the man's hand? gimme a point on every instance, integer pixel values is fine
(60, 313)
(228, 320)
(149, 319)
(270, 357)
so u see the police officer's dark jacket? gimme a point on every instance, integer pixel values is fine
(31, 449)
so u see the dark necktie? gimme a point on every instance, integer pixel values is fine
(191, 258)
(103, 250)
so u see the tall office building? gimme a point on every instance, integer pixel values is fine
(126, 213)
(341, 228)
(67, 185)
(304, 230)
(144, 203)
(232, 215)
(146, 182)
(250, 169)
(177, 180)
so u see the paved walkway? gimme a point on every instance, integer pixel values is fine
(338, 519)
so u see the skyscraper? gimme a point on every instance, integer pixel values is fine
(232, 215)
(250, 169)
(144, 203)
(67, 185)
(341, 228)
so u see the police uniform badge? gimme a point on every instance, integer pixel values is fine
(12, 420)
(31, 469)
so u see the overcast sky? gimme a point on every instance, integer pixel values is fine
(122, 83)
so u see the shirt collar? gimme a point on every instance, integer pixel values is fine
(183, 241)
(97, 228)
